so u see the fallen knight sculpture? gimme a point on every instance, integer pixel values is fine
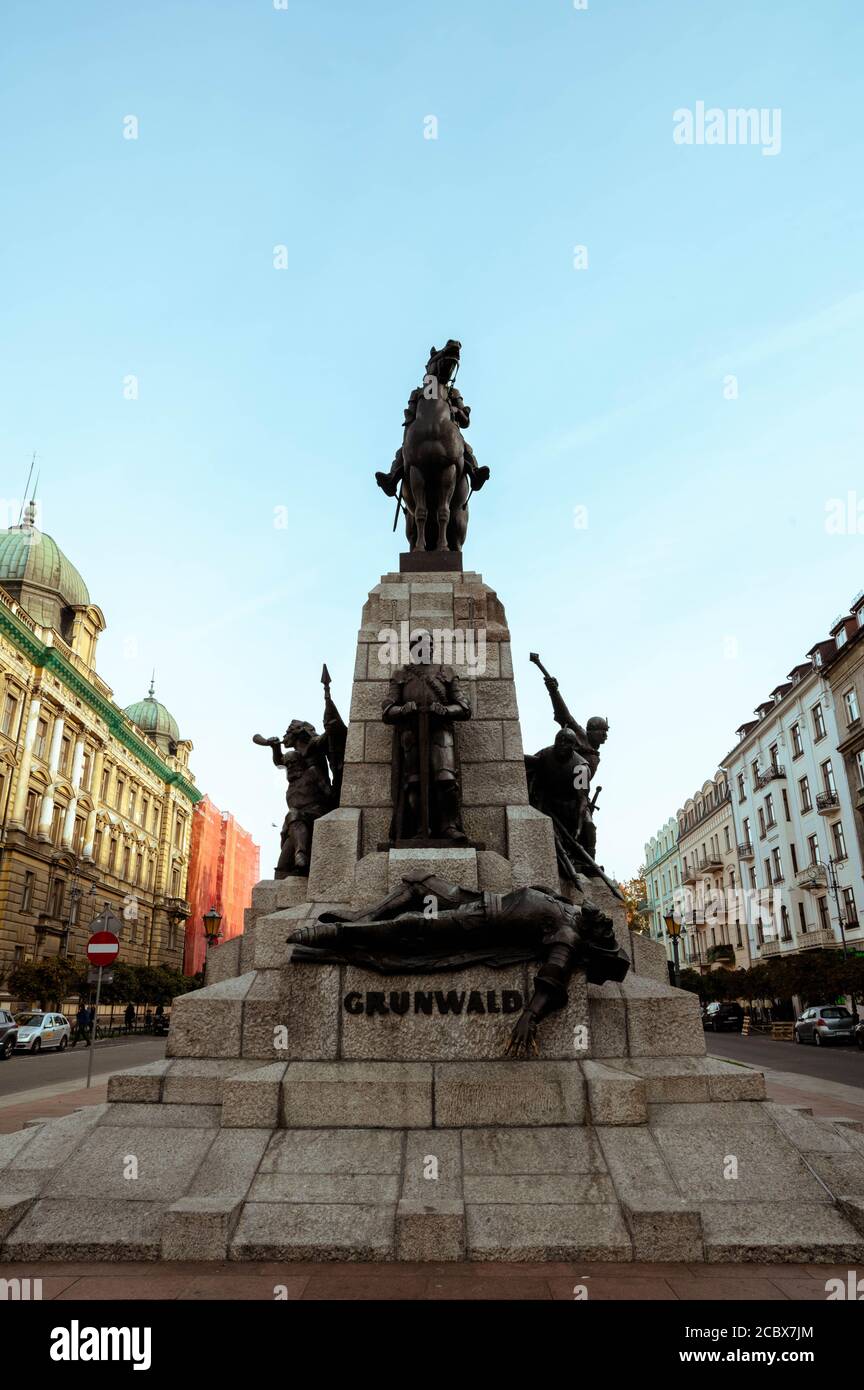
(429, 924)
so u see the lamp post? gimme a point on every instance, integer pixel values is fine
(212, 922)
(673, 930)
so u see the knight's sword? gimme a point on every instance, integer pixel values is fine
(423, 753)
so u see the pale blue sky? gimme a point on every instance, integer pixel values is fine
(262, 389)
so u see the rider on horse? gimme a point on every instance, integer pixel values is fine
(441, 368)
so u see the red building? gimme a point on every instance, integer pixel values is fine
(223, 870)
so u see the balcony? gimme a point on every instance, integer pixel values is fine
(769, 948)
(820, 936)
(712, 863)
(814, 876)
(177, 908)
(746, 851)
(827, 803)
(690, 875)
(770, 774)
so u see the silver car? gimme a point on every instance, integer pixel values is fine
(38, 1030)
(824, 1023)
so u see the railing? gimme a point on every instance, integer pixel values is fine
(746, 851)
(820, 936)
(770, 774)
(814, 876)
(827, 802)
(770, 948)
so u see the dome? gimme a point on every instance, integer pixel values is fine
(154, 719)
(31, 561)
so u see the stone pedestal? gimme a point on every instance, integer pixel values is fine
(330, 1113)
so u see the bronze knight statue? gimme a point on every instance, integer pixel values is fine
(313, 764)
(422, 703)
(435, 470)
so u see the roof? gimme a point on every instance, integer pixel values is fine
(28, 556)
(153, 718)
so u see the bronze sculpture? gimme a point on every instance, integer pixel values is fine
(313, 765)
(435, 470)
(422, 703)
(402, 936)
(559, 783)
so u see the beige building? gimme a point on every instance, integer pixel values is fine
(844, 671)
(715, 916)
(96, 802)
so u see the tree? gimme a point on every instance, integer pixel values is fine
(635, 897)
(49, 982)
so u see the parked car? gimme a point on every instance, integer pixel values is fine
(824, 1023)
(8, 1034)
(38, 1030)
(720, 1018)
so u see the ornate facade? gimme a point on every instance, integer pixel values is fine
(96, 802)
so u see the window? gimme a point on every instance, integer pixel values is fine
(127, 856)
(802, 919)
(797, 741)
(806, 798)
(145, 807)
(755, 767)
(10, 710)
(65, 755)
(741, 792)
(727, 837)
(155, 820)
(850, 699)
(150, 869)
(777, 865)
(769, 811)
(175, 882)
(794, 853)
(768, 874)
(27, 892)
(786, 931)
(41, 739)
(772, 753)
(119, 792)
(132, 799)
(57, 824)
(106, 778)
(761, 823)
(839, 840)
(859, 768)
(813, 849)
(139, 869)
(78, 834)
(818, 722)
(828, 777)
(58, 889)
(97, 845)
(179, 830)
(31, 816)
(850, 911)
(785, 804)
(746, 828)
(86, 770)
(824, 914)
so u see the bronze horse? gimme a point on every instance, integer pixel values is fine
(436, 487)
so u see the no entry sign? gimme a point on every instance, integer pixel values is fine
(102, 948)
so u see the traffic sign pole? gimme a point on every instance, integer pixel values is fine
(93, 1030)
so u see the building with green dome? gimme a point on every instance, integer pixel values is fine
(96, 801)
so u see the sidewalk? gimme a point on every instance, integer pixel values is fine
(413, 1282)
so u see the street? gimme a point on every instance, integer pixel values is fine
(844, 1064)
(26, 1072)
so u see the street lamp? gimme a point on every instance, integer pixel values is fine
(673, 929)
(212, 922)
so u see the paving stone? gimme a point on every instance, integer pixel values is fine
(728, 1114)
(222, 962)
(326, 1187)
(293, 1014)
(199, 1081)
(437, 1036)
(853, 1209)
(392, 1095)
(457, 865)
(199, 1228)
(333, 1151)
(699, 1158)
(336, 841)
(104, 1161)
(13, 1206)
(781, 1232)
(668, 1228)
(161, 1116)
(231, 1164)
(55, 1141)
(531, 847)
(207, 1022)
(541, 1151)
(842, 1174)
(607, 1021)
(433, 1167)
(251, 1101)
(661, 1021)
(806, 1133)
(311, 1231)
(428, 1232)
(87, 1229)
(539, 1189)
(11, 1145)
(498, 1093)
(614, 1097)
(637, 1166)
(142, 1084)
(578, 1231)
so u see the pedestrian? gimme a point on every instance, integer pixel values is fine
(129, 1017)
(81, 1024)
